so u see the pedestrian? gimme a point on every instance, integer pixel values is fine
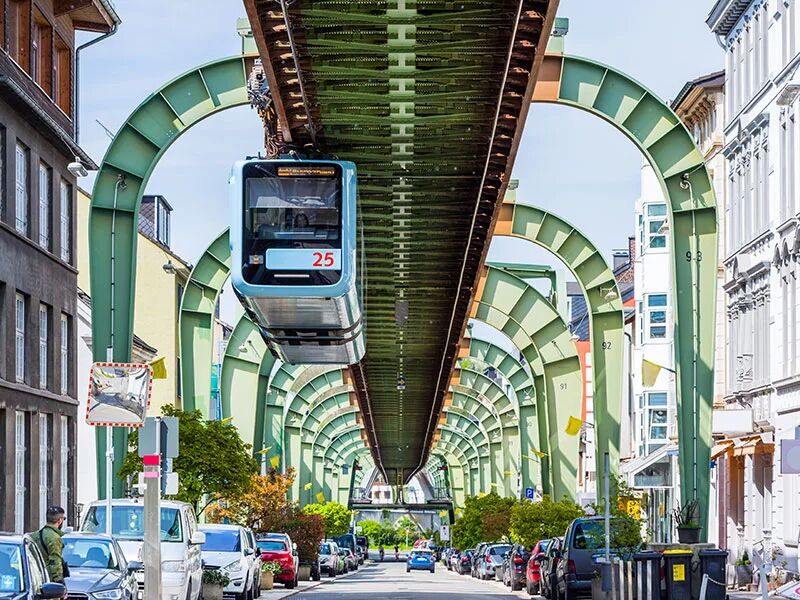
(52, 546)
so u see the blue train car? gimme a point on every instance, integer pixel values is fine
(293, 257)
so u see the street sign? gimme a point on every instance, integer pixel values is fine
(119, 394)
(529, 493)
(159, 433)
(444, 533)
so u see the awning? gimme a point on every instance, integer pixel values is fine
(721, 448)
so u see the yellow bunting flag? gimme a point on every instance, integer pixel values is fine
(320, 497)
(226, 420)
(538, 453)
(508, 473)
(275, 461)
(650, 371)
(265, 450)
(573, 426)
(493, 484)
(481, 494)
(159, 367)
(442, 513)
(307, 486)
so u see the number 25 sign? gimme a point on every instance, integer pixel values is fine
(303, 259)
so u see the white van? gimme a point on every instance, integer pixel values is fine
(181, 562)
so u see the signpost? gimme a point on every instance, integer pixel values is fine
(444, 532)
(529, 493)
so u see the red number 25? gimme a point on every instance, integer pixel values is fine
(323, 259)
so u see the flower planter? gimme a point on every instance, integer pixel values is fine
(212, 591)
(688, 535)
(267, 580)
(304, 573)
(744, 575)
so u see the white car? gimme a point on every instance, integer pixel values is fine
(227, 548)
(181, 563)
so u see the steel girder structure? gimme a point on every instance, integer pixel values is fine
(113, 218)
(666, 143)
(604, 304)
(513, 306)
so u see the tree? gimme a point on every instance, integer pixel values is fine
(406, 527)
(306, 530)
(336, 516)
(379, 534)
(212, 458)
(263, 507)
(534, 521)
(484, 518)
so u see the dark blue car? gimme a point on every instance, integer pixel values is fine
(421, 560)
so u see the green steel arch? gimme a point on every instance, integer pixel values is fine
(455, 443)
(517, 309)
(114, 213)
(666, 143)
(604, 306)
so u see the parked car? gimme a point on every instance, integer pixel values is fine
(464, 564)
(533, 581)
(477, 558)
(250, 538)
(515, 566)
(181, 562)
(226, 549)
(98, 568)
(278, 547)
(329, 560)
(350, 559)
(548, 568)
(362, 543)
(584, 538)
(450, 557)
(23, 574)
(421, 560)
(492, 557)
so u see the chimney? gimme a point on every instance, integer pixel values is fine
(632, 249)
(621, 258)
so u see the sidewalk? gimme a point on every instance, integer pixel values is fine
(281, 592)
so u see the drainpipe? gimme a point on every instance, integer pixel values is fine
(76, 96)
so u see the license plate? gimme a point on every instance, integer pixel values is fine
(303, 259)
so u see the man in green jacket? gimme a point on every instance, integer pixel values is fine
(51, 544)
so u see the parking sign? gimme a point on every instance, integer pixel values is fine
(529, 493)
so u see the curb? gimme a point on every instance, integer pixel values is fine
(317, 584)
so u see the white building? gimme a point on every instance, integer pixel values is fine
(762, 388)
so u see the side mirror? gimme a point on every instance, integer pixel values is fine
(248, 552)
(134, 565)
(541, 556)
(198, 538)
(52, 590)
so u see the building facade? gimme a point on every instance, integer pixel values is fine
(38, 269)
(759, 507)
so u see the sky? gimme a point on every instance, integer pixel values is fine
(569, 162)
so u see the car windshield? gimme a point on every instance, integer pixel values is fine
(543, 545)
(89, 554)
(498, 550)
(324, 549)
(272, 546)
(422, 553)
(588, 535)
(128, 522)
(222, 540)
(11, 580)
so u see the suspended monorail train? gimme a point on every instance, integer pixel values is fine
(294, 259)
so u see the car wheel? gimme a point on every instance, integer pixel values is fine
(515, 585)
(408, 570)
(331, 572)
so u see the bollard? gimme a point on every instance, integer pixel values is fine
(712, 567)
(648, 575)
(678, 570)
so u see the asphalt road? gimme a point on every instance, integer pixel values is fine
(389, 581)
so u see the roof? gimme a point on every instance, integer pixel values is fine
(725, 14)
(715, 79)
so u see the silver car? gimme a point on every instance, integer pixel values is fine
(492, 558)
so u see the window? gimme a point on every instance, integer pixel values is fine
(44, 465)
(42, 52)
(19, 346)
(65, 192)
(22, 190)
(64, 463)
(20, 26)
(653, 421)
(64, 354)
(656, 318)
(162, 224)
(2, 170)
(655, 217)
(19, 473)
(62, 76)
(43, 344)
(45, 192)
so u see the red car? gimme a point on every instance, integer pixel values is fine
(280, 550)
(533, 575)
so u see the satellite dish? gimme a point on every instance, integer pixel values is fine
(119, 394)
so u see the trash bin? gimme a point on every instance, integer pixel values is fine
(648, 575)
(712, 563)
(678, 573)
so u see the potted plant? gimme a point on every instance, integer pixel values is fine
(268, 571)
(687, 523)
(744, 570)
(214, 582)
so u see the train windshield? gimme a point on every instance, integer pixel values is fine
(293, 204)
